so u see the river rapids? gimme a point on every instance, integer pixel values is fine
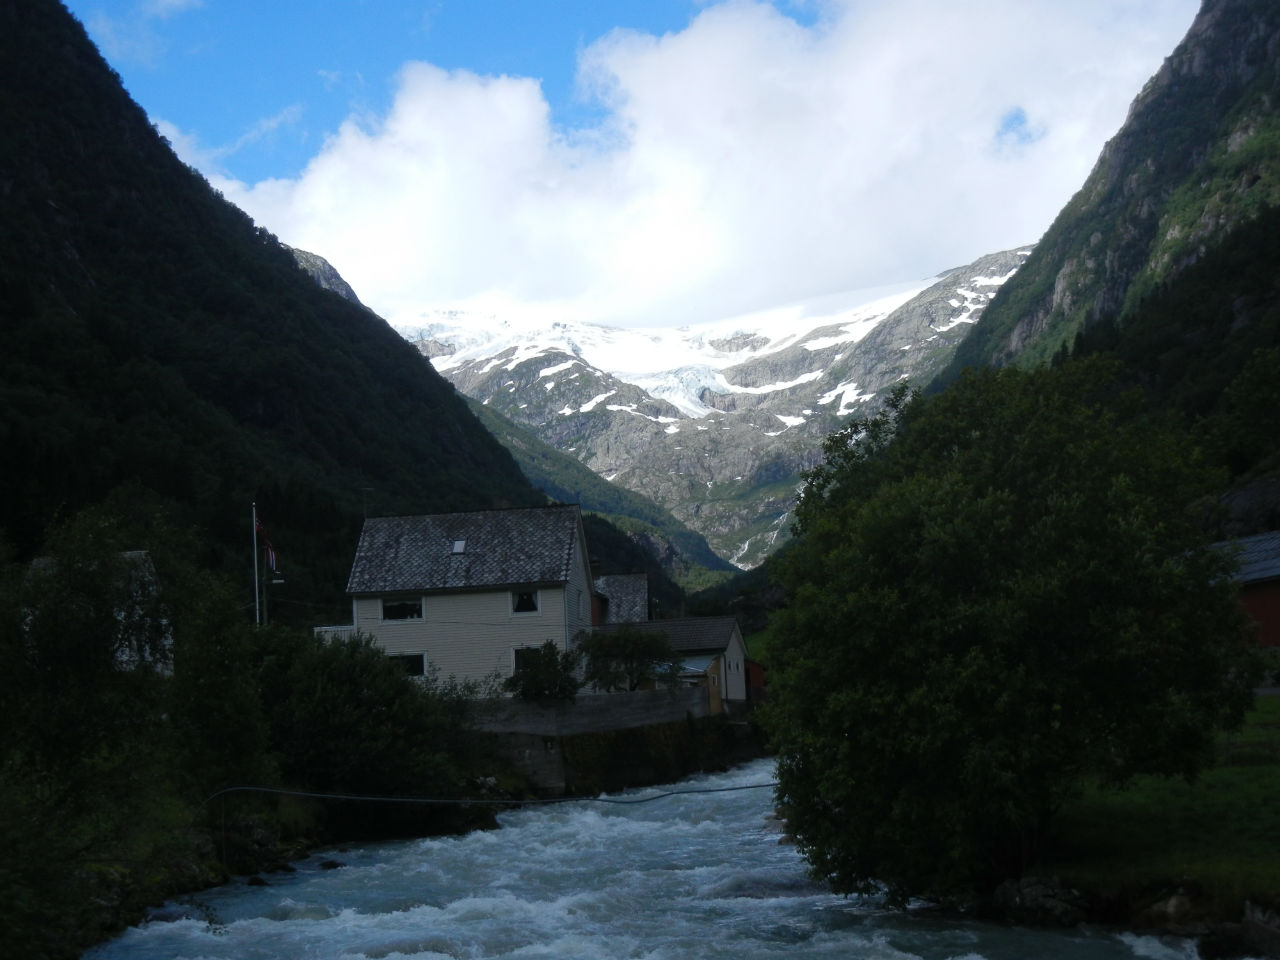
(690, 875)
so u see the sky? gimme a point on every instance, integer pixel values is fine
(638, 162)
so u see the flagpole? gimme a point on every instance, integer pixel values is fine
(257, 611)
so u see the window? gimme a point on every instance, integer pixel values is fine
(402, 609)
(459, 546)
(524, 601)
(413, 663)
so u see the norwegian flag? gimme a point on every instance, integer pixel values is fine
(270, 550)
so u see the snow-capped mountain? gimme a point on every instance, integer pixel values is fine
(715, 422)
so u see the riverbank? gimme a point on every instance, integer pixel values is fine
(1189, 859)
(261, 838)
(693, 870)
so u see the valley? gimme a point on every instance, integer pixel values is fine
(716, 423)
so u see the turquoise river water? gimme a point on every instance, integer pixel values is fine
(695, 875)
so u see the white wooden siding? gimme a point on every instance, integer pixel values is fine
(470, 636)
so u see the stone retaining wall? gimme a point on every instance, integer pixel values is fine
(595, 713)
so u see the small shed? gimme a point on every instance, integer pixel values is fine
(1259, 579)
(711, 651)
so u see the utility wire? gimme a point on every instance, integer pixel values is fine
(484, 801)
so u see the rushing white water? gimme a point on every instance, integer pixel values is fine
(699, 875)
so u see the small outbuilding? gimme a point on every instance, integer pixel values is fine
(1259, 579)
(712, 654)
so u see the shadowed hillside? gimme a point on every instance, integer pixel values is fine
(155, 339)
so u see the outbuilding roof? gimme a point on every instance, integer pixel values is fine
(466, 551)
(628, 596)
(1259, 557)
(688, 635)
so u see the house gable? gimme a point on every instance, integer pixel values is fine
(464, 592)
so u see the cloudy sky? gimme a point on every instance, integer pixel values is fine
(638, 162)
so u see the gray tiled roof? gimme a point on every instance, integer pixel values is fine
(688, 635)
(1259, 557)
(628, 595)
(503, 548)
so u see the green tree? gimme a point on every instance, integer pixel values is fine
(344, 717)
(545, 673)
(628, 658)
(996, 593)
(84, 755)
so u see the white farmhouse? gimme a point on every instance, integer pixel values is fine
(468, 592)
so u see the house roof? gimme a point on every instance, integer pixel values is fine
(466, 551)
(628, 595)
(687, 636)
(1259, 557)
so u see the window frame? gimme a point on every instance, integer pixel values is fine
(410, 668)
(536, 599)
(385, 602)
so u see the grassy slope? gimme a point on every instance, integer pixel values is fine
(1215, 837)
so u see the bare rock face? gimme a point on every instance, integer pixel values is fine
(723, 432)
(1194, 160)
(324, 274)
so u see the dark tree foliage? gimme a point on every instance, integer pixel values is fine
(84, 656)
(628, 659)
(996, 593)
(132, 689)
(545, 673)
(344, 717)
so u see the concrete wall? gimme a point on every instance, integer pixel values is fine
(594, 713)
(584, 764)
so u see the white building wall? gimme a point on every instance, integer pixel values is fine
(471, 636)
(577, 594)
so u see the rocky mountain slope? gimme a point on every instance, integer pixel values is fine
(674, 549)
(1198, 156)
(716, 423)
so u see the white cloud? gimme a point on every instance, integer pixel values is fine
(744, 161)
(210, 160)
(163, 9)
(131, 37)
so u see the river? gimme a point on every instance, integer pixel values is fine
(693, 875)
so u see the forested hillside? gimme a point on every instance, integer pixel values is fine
(159, 345)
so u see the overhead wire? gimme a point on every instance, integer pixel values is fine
(484, 801)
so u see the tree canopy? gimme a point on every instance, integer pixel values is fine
(997, 593)
(627, 658)
(545, 673)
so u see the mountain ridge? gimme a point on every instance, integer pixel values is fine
(1196, 156)
(716, 422)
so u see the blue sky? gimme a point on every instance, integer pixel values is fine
(643, 161)
(266, 81)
